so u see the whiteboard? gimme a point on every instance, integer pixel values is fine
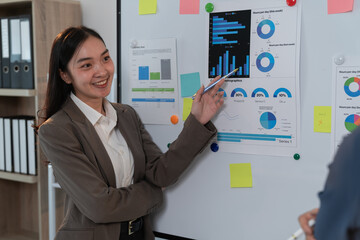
(202, 205)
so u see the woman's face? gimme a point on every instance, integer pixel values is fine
(91, 71)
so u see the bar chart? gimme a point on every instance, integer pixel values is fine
(164, 74)
(229, 43)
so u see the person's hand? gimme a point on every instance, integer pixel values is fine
(206, 105)
(304, 223)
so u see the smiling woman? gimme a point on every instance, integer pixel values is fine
(90, 72)
(111, 171)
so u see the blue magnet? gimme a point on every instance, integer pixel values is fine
(214, 147)
(168, 145)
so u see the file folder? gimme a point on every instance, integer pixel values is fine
(16, 144)
(5, 53)
(2, 145)
(8, 143)
(15, 52)
(23, 146)
(31, 147)
(26, 67)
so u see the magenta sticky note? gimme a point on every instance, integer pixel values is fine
(189, 6)
(340, 6)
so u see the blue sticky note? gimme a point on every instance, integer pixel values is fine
(190, 83)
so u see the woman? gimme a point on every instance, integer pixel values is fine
(103, 157)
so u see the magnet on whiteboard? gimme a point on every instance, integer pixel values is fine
(214, 147)
(133, 43)
(339, 60)
(174, 119)
(209, 7)
(291, 3)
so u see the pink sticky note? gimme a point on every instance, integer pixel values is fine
(189, 6)
(340, 6)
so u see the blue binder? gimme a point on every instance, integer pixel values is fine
(5, 53)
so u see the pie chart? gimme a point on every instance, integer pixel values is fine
(268, 120)
(352, 122)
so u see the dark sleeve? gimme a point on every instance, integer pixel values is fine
(84, 184)
(339, 201)
(163, 169)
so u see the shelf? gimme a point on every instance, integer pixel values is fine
(17, 92)
(18, 178)
(24, 235)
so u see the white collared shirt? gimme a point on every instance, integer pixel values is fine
(113, 141)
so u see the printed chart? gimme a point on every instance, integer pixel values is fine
(345, 105)
(261, 110)
(154, 80)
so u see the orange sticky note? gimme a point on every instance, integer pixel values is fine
(340, 6)
(189, 6)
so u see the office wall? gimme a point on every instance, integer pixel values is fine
(101, 16)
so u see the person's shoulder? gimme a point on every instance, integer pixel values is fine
(59, 120)
(348, 150)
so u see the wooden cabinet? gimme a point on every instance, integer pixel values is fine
(23, 198)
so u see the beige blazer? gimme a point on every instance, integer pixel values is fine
(94, 207)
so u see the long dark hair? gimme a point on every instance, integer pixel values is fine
(63, 49)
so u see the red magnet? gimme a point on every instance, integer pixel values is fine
(291, 2)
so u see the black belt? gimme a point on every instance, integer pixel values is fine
(132, 226)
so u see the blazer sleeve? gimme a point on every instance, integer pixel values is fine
(83, 183)
(163, 169)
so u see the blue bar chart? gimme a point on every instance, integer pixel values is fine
(229, 43)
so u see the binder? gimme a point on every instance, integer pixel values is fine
(2, 145)
(26, 67)
(15, 52)
(23, 146)
(5, 53)
(8, 143)
(31, 147)
(1, 80)
(16, 144)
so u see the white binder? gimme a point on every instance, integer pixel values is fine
(16, 145)
(2, 145)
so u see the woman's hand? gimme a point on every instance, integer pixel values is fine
(206, 105)
(304, 223)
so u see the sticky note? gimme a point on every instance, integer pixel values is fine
(340, 6)
(240, 175)
(189, 6)
(190, 83)
(147, 7)
(187, 103)
(322, 119)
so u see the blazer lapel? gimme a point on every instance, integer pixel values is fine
(91, 136)
(123, 124)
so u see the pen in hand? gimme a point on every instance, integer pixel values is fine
(214, 83)
(299, 232)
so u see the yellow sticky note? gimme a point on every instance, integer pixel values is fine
(240, 175)
(147, 7)
(187, 103)
(322, 119)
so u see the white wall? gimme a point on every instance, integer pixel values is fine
(100, 15)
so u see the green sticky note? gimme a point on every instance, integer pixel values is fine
(190, 83)
(147, 7)
(322, 119)
(187, 104)
(240, 175)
